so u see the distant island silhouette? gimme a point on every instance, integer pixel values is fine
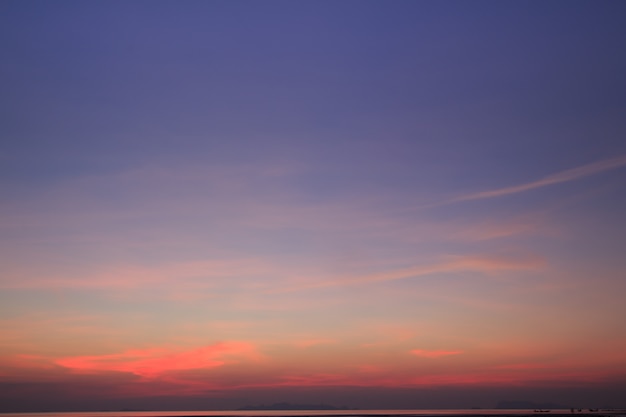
(517, 404)
(289, 406)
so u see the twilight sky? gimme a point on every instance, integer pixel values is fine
(206, 204)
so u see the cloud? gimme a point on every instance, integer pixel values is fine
(454, 264)
(151, 363)
(435, 353)
(194, 274)
(559, 177)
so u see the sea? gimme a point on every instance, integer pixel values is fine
(335, 413)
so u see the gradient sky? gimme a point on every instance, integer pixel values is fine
(207, 204)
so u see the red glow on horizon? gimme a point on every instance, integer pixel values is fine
(232, 366)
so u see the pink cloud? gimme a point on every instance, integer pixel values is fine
(559, 177)
(522, 366)
(151, 363)
(434, 353)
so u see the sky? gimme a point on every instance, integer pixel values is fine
(377, 204)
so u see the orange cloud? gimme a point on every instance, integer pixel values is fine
(154, 362)
(435, 353)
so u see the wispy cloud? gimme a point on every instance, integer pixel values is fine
(483, 264)
(128, 276)
(559, 177)
(435, 353)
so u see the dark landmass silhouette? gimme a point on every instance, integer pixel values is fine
(528, 405)
(133, 410)
(289, 406)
